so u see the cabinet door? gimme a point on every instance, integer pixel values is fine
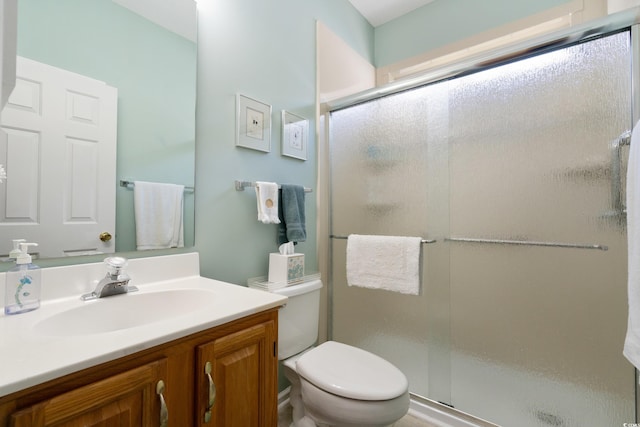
(128, 399)
(243, 369)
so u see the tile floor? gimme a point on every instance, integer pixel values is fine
(409, 421)
(284, 420)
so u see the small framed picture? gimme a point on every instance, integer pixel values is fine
(295, 135)
(253, 124)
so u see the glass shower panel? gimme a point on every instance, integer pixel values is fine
(378, 186)
(537, 332)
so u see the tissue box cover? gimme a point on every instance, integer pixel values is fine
(286, 268)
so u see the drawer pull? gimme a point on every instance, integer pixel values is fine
(212, 392)
(164, 412)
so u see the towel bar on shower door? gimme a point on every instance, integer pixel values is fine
(509, 242)
(527, 243)
(346, 237)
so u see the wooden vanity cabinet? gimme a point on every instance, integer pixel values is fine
(126, 399)
(237, 360)
(231, 371)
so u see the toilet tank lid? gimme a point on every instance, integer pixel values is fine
(302, 288)
(351, 372)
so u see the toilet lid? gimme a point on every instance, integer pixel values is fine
(351, 372)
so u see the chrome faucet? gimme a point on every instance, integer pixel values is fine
(114, 283)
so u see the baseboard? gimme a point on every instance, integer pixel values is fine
(283, 399)
(424, 409)
(442, 415)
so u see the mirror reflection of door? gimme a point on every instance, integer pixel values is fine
(60, 157)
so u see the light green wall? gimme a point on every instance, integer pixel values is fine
(154, 71)
(264, 50)
(446, 21)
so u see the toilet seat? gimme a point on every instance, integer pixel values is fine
(350, 372)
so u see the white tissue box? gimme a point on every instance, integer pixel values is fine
(286, 268)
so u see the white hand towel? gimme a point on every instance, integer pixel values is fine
(632, 340)
(267, 197)
(384, 262)
(158, 215)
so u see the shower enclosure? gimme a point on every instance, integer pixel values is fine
(516, 170)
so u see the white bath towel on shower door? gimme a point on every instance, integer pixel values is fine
(391, 263)
(632, 341)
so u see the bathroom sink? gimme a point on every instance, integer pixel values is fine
(126, 311)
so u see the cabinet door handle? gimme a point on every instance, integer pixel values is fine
(164, 412)
(212, 392)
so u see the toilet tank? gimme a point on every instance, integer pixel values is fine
(298, 319)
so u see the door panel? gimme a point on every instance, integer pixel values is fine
(537, 332)
(60, 158)
(237, 370)
(127, 399)
(522, 334)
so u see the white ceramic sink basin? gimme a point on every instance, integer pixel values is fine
(126, 311)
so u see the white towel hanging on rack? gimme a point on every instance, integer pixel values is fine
(158, 215)
(267, 199)
(391, 263)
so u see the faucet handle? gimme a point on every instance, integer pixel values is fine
(115, 264)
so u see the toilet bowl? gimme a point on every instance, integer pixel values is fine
(343, 386)
(334, 384)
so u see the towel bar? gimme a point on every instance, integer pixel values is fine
(131, 184)
(509, 242)
(241, 185)
(527, 243)
(346, 237)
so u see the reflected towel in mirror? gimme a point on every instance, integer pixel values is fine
(158, 214)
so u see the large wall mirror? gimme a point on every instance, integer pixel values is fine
(153, 70)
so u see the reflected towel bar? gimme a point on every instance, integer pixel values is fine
(527, 243)
(131, 184)
(346, 237)
(241, 185)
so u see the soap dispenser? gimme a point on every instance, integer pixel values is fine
(16, 249)
(22, 291)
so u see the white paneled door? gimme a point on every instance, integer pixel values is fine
(60, 158)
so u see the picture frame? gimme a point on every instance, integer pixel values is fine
(253, 124)
(295, 135)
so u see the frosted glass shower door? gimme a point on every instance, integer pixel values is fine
(537, 331)
(521, 335)
(379, 176)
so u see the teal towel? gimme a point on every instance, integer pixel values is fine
(291, 212)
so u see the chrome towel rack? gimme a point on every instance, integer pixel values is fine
(508, 242)
(241, 185)
(527, 243)
(426, 241)
(130, 184)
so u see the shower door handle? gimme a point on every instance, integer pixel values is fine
(617, 192)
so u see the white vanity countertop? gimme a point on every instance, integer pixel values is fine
(31, 355)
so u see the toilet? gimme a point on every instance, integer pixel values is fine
(333, 384)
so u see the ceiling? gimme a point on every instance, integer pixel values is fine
(179, 16)
(379, 12)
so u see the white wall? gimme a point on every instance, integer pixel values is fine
(614, 6)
